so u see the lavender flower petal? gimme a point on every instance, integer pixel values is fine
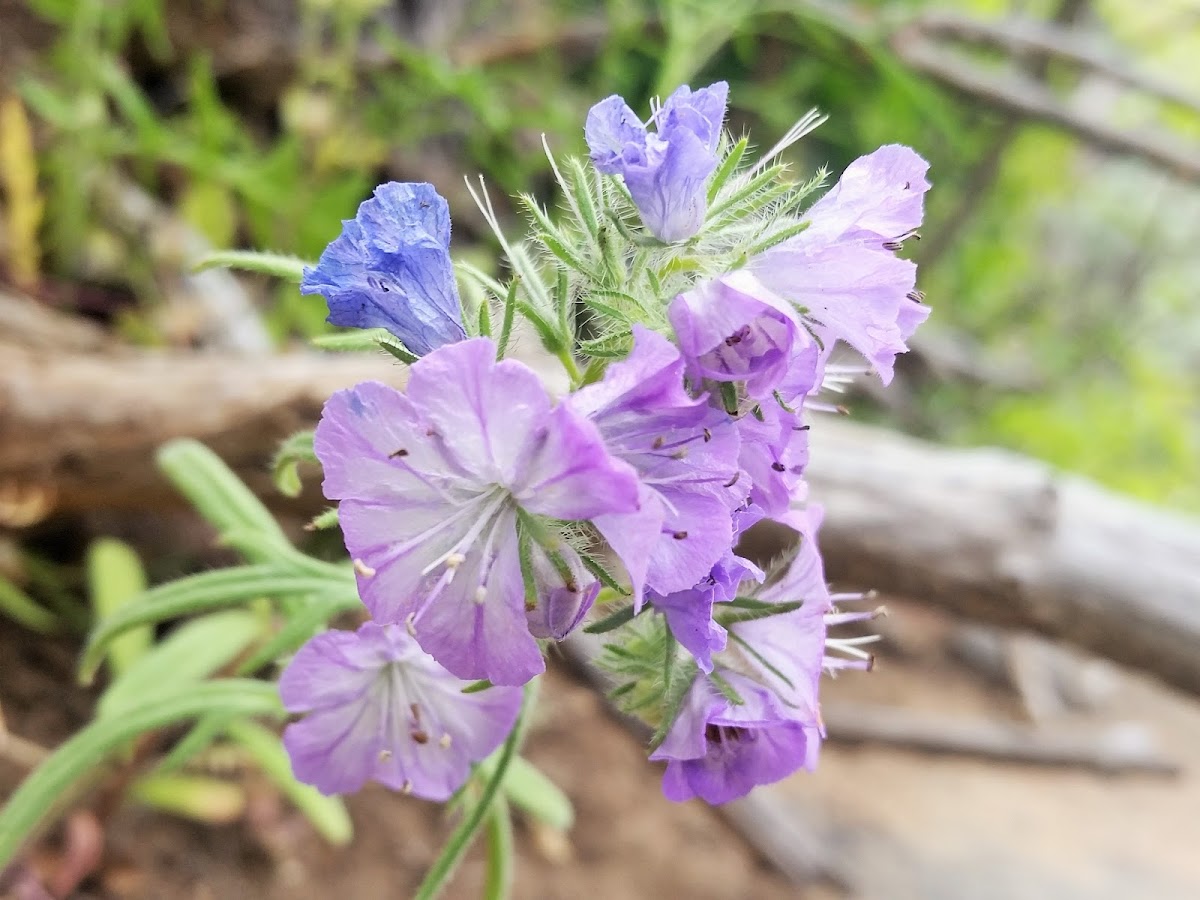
(377, 708)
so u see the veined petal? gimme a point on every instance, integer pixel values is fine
(390, 268)
(490, 415)
(396, 717)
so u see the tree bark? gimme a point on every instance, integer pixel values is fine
(1003, 538)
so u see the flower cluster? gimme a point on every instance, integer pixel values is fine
(486, 517)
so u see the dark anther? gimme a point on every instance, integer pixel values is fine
(908, 185)
(778, 466)
(416, 712)
(419, 736)
(658, 442)
(431, 432)
(707, 435)
(738, 336)
(801, 427)
(679, 535)
(732, 481)
(892, 245)
(916, 296)
(397, 453)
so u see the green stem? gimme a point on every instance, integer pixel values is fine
(460, 841)
(500, 852)
(572, 367)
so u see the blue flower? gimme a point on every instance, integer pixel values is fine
(666, 172)
(390, 268)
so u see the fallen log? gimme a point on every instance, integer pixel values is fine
(990, 534)
(1007, 539)
(82, 429)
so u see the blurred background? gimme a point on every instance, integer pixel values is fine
(1059, 255)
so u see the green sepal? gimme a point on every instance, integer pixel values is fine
(280, 265)
(612, 622)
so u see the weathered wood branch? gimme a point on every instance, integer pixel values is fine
(83, 428)
(1004, 538)
(990, 534)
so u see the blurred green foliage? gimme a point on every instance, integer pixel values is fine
(1067, 275)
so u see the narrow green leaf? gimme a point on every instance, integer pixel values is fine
(681, 683)
(206, 592)
(198, 739)
(612, 621)
(602, 574)
(361, 340)
(531, 791)
(476, 686)
(506, 325)
(727, 167)
(295, 450)
(48, 785)
(21, 608)
(727, 690)
(301, 625)
(327, 814)
(116, 577)
(501, 853)
(729, 619)
(398, 350)
(191, 652)
(280, 265)
(216, 492)
(201, 798)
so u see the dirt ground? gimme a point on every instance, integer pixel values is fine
(902, 824)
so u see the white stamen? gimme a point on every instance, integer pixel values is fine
(363, 569)
(808, 123)
(407, 787)
(445, 741)
(385, 755)
(481, 594)
(410, 624)
(454, 560)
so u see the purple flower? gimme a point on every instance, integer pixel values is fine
(378, 708)
(774, 453)
(685, 452)
(667, 171)
(689, 613)
(432, 486)
(718, 750)
(390, 268)
(842, 271)
(732, 328)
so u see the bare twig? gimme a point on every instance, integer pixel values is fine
(1018, 94)
(1125, 747)
(1029, 36)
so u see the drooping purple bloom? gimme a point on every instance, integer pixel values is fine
(390, 268)
(689, 613)
(685, 452)
(842, 271)
(667, 170)
(432, 484)
(378, 708)
(733, 329)
(718, 750)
